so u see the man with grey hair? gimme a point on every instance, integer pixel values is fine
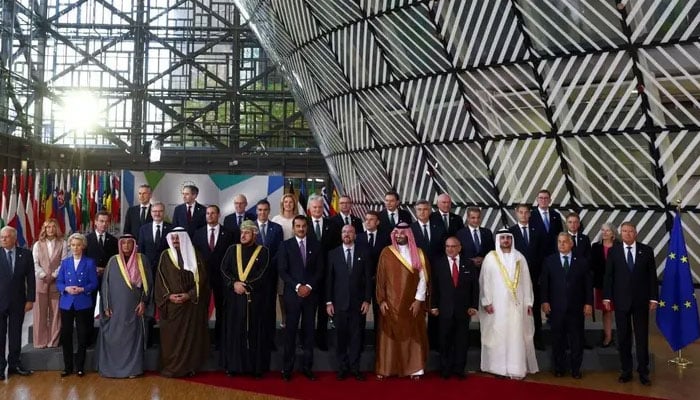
(444, 215)
(233, 221)
(17, 291)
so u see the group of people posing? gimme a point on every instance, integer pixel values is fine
(423, 279)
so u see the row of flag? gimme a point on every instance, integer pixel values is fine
(330, 203)
(72, 197)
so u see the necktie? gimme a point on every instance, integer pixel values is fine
(566, 264)
(546, 220)
(392, 220)
(189, 214)
(9, 261)
(240, 219)
(446, 221)
(102, 240)
(302, 250)
(156, 240)
(630, 259)
(317, 230)
(455, 271)
(525, 238)
(348, 259)
(426, 235)
(477, 242)
(180, 259)
(212, 240)
(574, 239)
(263, 232)
(371, 239)
(143, 214)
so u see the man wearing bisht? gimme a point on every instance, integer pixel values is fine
(182, 298)
(505, 312)
(249, 285)
(402, 290)
(127, 286)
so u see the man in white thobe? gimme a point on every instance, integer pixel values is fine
(505, 312)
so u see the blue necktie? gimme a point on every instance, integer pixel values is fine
(630, 259)
(9, 262)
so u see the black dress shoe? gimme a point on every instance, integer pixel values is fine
(558, 374)
(445, 375)
(341, 375)
(19, 371)
(230, 373)
(286, 376)
(644, 380)
(65, 373)
(461, 375)
(359, 376)
(2, 376)
(576, 375)
(81, 373)
(624, 378)
(309, 374)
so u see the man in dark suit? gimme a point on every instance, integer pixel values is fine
(392, 215)
(454, 300)
(212, 241)
(140, 213)
(376, 240)
(152, 236)
(300, 265)
(349, 292)
(233, 221)
(476, 241)
(566, 286)
(344, 216)
(190, 215)
(327, 234)
(17, 293)
(529, 242)
(547, 222)
(450, 221)
(582, 244)
(630, 283)
(101, 246)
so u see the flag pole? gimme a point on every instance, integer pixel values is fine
(680, 361)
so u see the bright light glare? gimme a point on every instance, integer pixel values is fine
(80, 110)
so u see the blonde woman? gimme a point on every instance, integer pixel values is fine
(48, 253)
(599, 255)
(288, 210)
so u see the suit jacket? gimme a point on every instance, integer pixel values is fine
(273, 239)
(456, 222)
(630, 289)
(533, 252)
(330, 235)
(385, 225)
(293, 271)
(566, 292)
(582, 246)
(598, 262)
(381, 240)
(212, 258)
(434, 247)
(466, 239)
(148, 247)
(549, 238)
(132, 222)
(198, 217)
(84, 276)
(451, 300)
(18, 287)
(101, 255)
(231, 220)
(348, 289)
(356, 222)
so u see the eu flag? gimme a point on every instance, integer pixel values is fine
(677, 315)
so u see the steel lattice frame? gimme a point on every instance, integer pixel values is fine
(492, 100)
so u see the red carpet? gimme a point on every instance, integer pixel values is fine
(431, 386)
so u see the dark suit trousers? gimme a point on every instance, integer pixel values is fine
(217, 290)
(306, 311)
(536, 308)
(83, 324)
(453, 341)
(567, 332)
(636, 319)
(349, 327)
(321, 317)
(11, 328)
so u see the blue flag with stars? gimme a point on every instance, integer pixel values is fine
(677, 314)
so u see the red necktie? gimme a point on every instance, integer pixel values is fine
(212, 240)
(189, 214)
(455, 272)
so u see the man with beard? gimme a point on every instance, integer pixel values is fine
(402, 290)
(126, 289)
(506, 298)
(182, 298)
(249, 286)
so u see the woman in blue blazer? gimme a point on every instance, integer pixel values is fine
(76, 280)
